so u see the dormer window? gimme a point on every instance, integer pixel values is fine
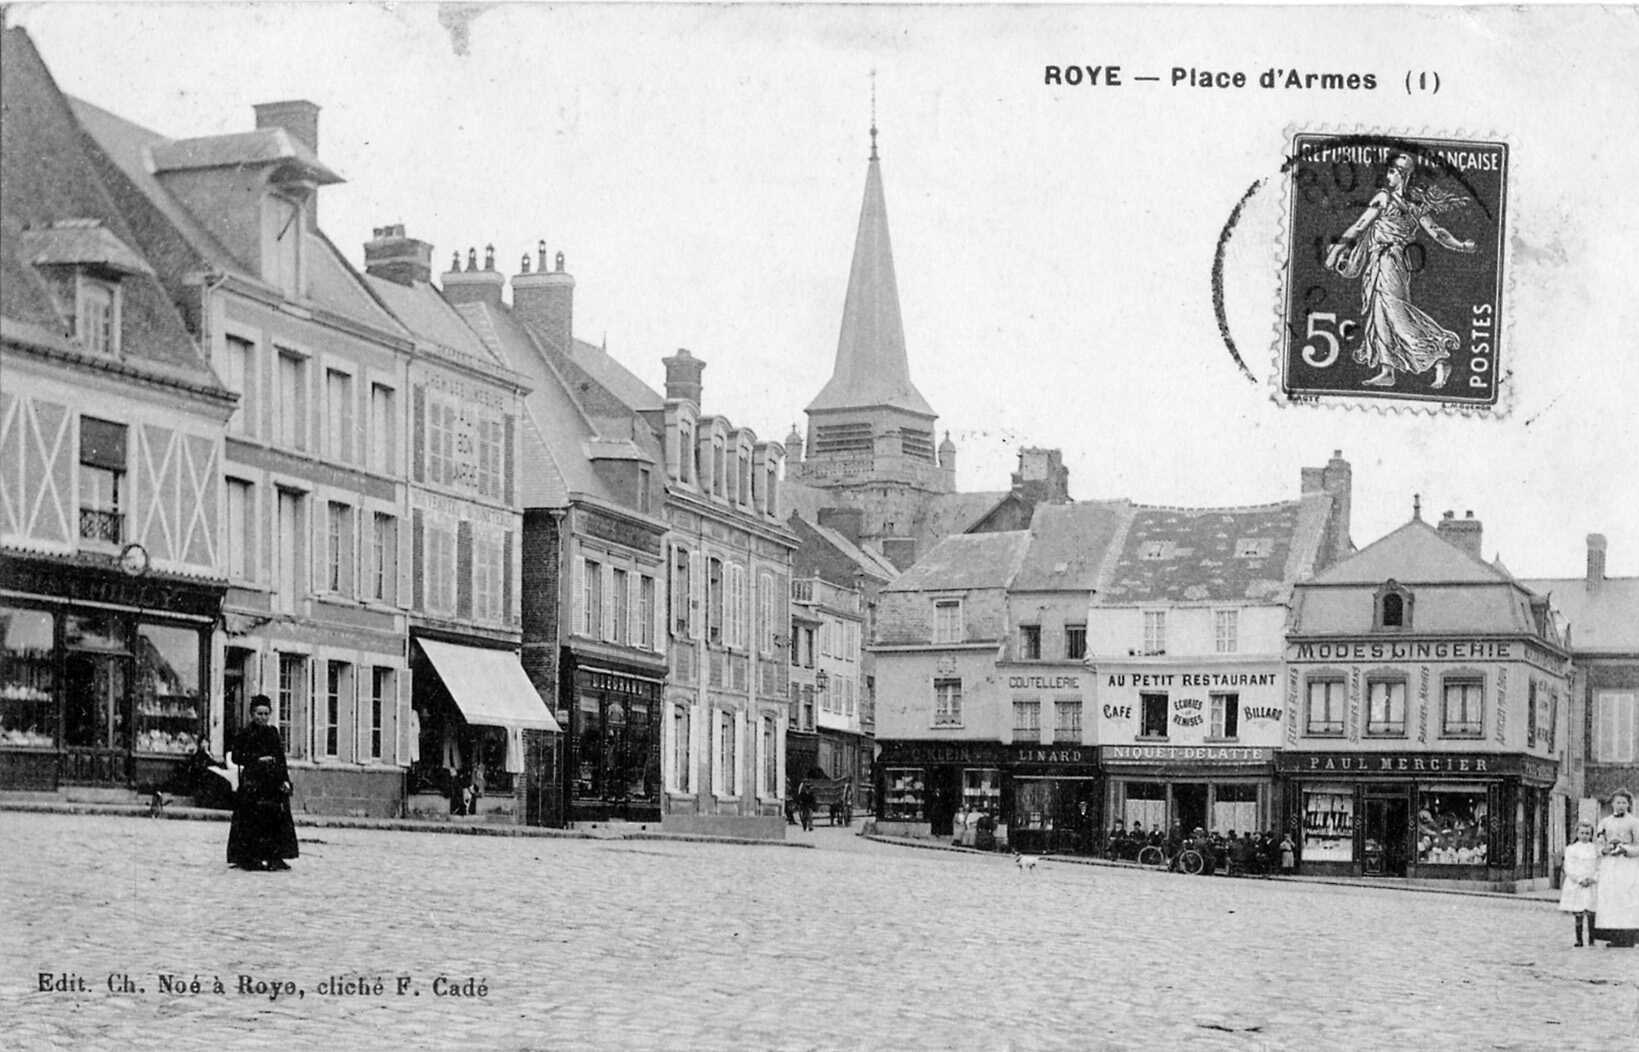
(96, 317)
(83, 264)
(1155, 550)
(1254, 547)
(1392, 607)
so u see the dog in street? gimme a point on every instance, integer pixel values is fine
(1025, 861)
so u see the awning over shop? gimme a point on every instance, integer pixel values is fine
(489, 686)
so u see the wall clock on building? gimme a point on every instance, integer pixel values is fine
(134, 559)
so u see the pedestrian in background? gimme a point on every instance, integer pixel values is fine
(1579, 879)
(805, 804)
(262, 834)
(1288, 856)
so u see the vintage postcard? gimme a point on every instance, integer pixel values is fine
(818, 526)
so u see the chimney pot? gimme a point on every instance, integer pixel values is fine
(540, 254)
(455, 261)
(392, 256)
(489, 257)
(297, 116)
(472, 259)
(560, 262)
(523, 264)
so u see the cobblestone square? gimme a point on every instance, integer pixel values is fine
(662, 944)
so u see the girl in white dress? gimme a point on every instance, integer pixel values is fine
(1576, 892)
(1617, 904)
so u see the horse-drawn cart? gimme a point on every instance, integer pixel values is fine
(834, 797)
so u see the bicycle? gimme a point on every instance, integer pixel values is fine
(1189, 860)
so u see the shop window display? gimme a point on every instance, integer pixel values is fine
(28, 717)
(1147, 804)
(1235, 807)
(903, 799)
(982, 789)
(1451, 827)
(95, 672)
(1328, 825)
(168, 697)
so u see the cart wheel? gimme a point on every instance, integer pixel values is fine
(1191, 862)
(1151, 855)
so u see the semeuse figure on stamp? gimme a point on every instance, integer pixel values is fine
(1396, 335)
(262, 834)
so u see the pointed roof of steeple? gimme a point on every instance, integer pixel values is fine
(871, 367)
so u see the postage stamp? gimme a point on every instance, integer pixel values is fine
(1394, 271)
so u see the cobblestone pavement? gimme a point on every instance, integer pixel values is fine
(655, 944)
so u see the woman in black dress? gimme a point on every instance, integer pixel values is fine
(262, 834)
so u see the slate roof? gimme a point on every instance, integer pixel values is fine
(867, 561)
(966, 561)
(238, 149)
(1452, 590)
(47, 175)
(1182, 555)
(1071, 545)
(181, 241)
(80, 242)
(1603, 619)
(620, 381)
(430, 317)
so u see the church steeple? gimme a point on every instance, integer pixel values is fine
(871, 366)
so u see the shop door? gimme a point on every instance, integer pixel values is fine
(96, 749)
(543, 803)
(944, 796)
(1189, 807)
(1385, 833)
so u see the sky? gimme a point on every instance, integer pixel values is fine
(701, 168)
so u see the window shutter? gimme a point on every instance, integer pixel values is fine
(463, 570)
(634, 609)
(697, 596)
(349, 552)
(606, 583)
(418, 561)
(506, 578)
(418, 452)
(577, 595)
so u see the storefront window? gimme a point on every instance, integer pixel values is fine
(903, 799)
(982, 789)
(1451, 827)
(168, 689)
(1147, 804)
(1034, 805)
(28, 682)
(1328, 824)
(1235, 807)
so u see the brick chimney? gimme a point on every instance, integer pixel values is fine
(683, 376)
(1596, 560)
(474, 284)
(1337, 479)
(1463, 533)
(392, 256)
(300, 119)
(947, 464)
(545, 300)
(297, 116)
(1042, 477)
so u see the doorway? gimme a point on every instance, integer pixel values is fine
(1189, 806)
(944, 797)
(1385, 834)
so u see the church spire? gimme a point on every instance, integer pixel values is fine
(871, 365)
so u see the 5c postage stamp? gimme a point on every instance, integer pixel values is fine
(1394, 271)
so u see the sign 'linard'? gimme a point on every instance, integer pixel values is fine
(1474, 650)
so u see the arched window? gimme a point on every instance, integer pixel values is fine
(1393, 607)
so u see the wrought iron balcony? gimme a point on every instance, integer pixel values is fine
(99, 525)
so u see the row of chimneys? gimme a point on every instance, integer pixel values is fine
(544, 300)
(1465, 533)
